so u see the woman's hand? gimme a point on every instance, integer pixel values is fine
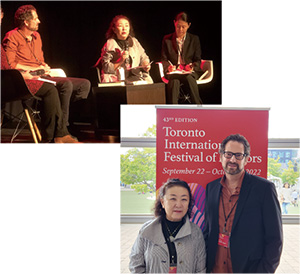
(171, 68)
(146, 66)
(125, 55)
(188, 67)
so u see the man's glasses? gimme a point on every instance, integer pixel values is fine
(238, 156)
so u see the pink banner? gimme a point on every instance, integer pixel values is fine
(188, 141)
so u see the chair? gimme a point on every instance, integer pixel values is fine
(206, 77)
(121, 76)
(121, 72)
(14, 88)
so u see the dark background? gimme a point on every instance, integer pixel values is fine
(73, 33)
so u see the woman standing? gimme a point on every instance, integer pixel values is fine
(170, 243)
(285, 197)
(123, 50)
(182, 50)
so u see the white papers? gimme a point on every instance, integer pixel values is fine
(58, 72)
(47, 80)
(177, 71)
(111, 84)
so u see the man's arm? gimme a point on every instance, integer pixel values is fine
(10, 46)
(273, 232)
(15, 50)
(30, 68)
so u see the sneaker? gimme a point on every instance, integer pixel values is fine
(68, 139)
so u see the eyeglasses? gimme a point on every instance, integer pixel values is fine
(238, 156)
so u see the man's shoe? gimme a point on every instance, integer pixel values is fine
(68, 139)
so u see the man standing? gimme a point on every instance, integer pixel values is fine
(243, 226)
(23, 46)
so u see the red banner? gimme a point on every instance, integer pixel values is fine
(188, 140)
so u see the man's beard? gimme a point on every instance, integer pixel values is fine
(232, 171)
(33, 28)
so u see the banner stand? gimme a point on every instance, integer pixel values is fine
(188, 141)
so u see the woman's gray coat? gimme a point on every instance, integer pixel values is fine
(150, 252)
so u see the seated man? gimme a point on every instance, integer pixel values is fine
(23, 46)
(54, 130)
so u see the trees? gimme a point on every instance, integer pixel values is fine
(138, 168)
(288, 175)
(274, 167)
(150, 132)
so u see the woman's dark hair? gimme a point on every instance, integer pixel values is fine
(110, 32)
(23, 13)
(158, 209)
(182, 16)
(237, 138)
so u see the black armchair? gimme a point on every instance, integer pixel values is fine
(14, 88)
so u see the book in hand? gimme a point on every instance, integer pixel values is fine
(52, 73)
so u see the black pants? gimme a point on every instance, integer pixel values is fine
(51, 113)
(71, 90)
(189, 83)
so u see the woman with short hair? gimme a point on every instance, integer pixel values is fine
(170, 243)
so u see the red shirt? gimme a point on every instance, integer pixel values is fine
(20, 50)
(223, 260)
(33, 85)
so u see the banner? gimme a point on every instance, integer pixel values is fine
(188, 141)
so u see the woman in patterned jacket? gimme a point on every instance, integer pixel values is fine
(123, 50)
(170, 243)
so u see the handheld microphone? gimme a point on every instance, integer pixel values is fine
(126, 46)
(127, 63)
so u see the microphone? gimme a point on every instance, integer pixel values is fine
(127, 63)
(126, 46)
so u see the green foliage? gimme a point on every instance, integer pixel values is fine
(289, 175)
(150, 132)
(140, 188)
(138, 167)
(274, 167)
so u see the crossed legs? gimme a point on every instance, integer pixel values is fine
(189, 82)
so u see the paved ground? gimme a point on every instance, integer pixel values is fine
(289, 260)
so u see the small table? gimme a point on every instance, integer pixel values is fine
(108, 99)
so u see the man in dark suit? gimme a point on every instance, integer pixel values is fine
(182, 49)
(243, 226)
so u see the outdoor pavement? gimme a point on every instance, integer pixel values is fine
(289, 260)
